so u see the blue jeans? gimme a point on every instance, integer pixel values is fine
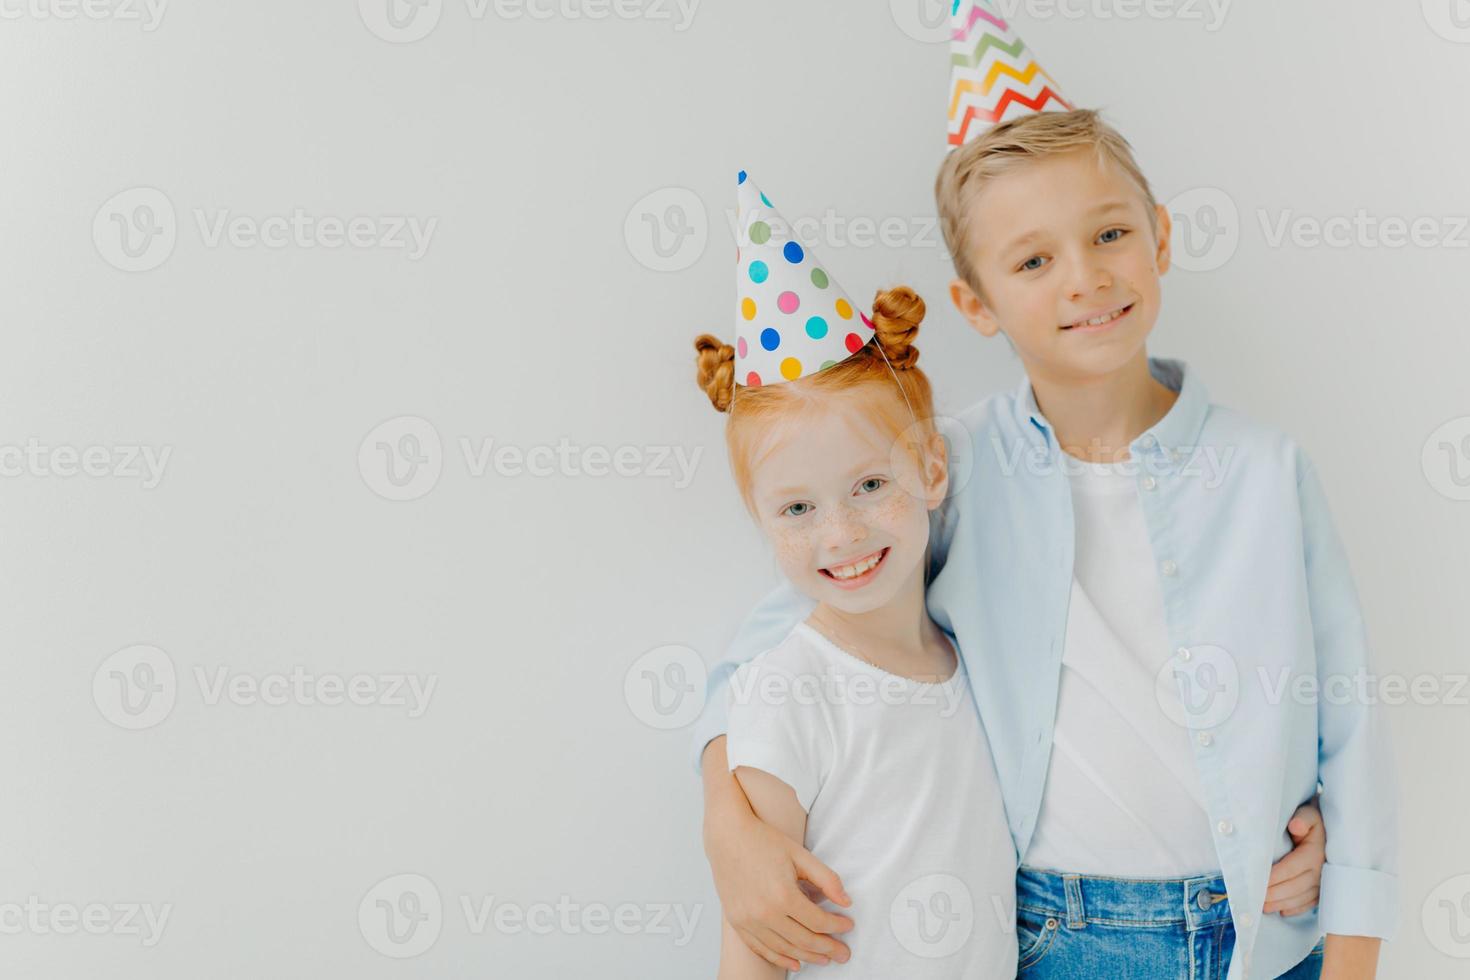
(1072, 926)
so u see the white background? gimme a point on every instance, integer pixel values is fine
(537, 314)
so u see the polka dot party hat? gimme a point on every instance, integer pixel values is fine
(792, 319)
(993, 78)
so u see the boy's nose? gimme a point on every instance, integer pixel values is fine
(1088, 278)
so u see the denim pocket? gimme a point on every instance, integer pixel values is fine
(1034, 937)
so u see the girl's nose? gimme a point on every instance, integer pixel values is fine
(844, 527)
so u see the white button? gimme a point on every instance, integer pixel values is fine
(1184, 653)
(1169, 568)
(1225, 827)
(1149, 483)
(1149, 442)
(1206, 739)
(1245, 920)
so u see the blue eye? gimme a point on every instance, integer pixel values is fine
(791, 508)
(873, 479)
(1032, 264)
(1118, 232)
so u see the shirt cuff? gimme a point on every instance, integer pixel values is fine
(714, 721)
(1358, 902)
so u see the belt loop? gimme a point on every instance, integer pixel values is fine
(1076, 912)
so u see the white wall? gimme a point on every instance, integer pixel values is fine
(534, 316)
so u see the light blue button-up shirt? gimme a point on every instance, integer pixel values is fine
(1267, 643)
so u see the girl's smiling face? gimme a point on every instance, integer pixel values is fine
(845, 507)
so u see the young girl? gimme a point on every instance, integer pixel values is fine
(857, 734)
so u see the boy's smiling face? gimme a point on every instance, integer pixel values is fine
(1059, 242)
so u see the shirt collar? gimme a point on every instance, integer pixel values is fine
(1178, 431)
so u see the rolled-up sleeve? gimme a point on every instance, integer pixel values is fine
(1360, 887)
(766, 626)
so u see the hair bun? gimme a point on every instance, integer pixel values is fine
(716, 370)
(897, 314)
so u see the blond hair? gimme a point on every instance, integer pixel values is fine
(999, 150)
(882, 375)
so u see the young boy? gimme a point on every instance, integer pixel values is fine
(1133, 576)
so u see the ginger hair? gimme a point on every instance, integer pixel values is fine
(1022, 140)
(864, 376)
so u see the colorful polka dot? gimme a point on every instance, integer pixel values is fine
(826, 365)
(788, 302)
(766, 200)
(793, 253)
(854, 343)
(752, 380)
(816, 328)
(791, 369)
(844, 309)
(771, 339)
(747, 308)
(758, 271)
(760, 232)
(819, 279)
(740, 347)
(740, 179)
(867, 321)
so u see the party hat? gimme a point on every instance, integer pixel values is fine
(994, 77)
(792, 319)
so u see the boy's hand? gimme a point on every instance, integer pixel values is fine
(1296, 880)
(763, 878)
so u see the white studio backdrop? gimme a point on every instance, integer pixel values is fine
(355, 478)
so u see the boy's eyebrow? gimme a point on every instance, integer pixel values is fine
(1106, 207)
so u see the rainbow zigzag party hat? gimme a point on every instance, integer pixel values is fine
(994, 77)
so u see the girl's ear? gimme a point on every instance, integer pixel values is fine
(936, 470)
(973, 308)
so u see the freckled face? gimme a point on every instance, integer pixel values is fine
(836, 505)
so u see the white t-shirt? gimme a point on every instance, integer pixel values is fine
(902, 802)
(1123, 797)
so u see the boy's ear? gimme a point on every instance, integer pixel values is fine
(973, 308)
(1164, 236)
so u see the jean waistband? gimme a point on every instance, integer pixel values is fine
(1196, 902)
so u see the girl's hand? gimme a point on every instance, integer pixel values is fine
(1296, 880)
(761, 875)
